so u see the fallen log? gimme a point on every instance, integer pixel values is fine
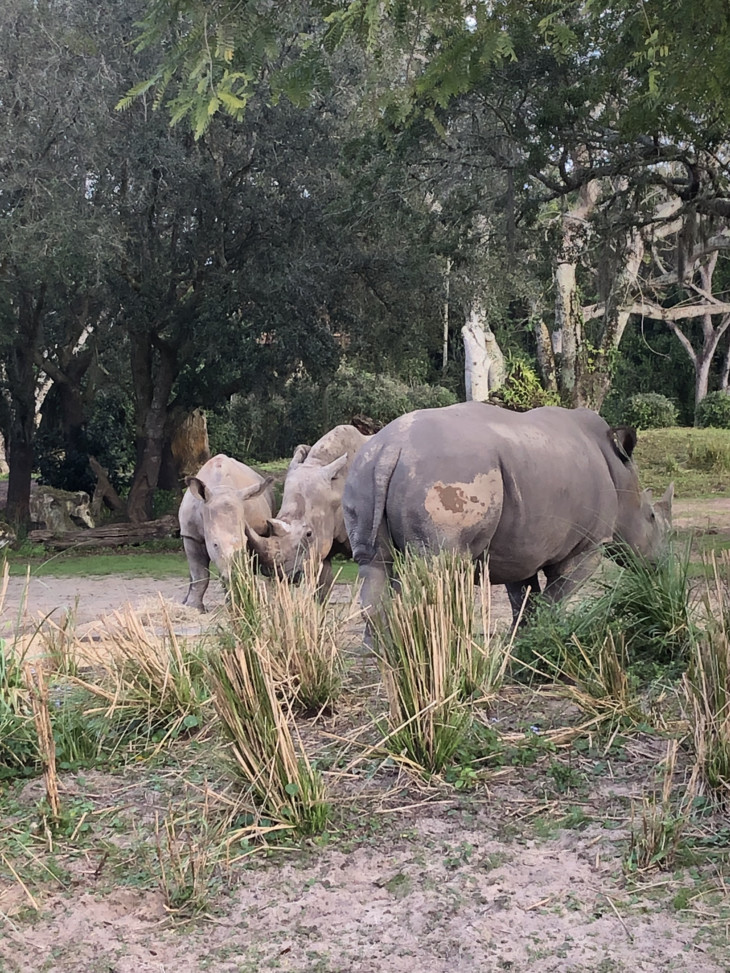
(109, 535)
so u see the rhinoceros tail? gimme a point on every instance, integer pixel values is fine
(364, 500)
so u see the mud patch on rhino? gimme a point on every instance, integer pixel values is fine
(464, 505)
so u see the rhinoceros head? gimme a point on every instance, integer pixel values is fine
(642, 525)
(224, 518)
(305, 528)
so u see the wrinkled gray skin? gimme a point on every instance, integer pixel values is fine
(537, 491)
(219, 502)
(310, 525)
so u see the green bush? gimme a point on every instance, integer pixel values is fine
(262, 429)
(714, 410)
(523, 389)
(649, 410)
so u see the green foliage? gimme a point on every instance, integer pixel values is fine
(523, 389)
(649, 410)
(266, 428)
(707, 687)
(643, 609)
(18, 739)
(651, 360)
(710, 454)
(108, 435)
(714, 410)
(693, 458)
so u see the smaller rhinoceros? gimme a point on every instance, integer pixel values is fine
(220, 501)
(310, 524)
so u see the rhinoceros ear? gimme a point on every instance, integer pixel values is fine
(279, 528)
(198, 488)
(624, 440)
(331, 470)
(300, 454)
(248, 493)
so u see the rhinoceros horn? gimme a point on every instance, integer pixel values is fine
(279, 528)
(261, 545)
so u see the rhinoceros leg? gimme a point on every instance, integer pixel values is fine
(326, 580)
(517, 591)
(198, 561)
(562, 579)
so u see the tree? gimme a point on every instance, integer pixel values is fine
(595, 108)
(52, 241)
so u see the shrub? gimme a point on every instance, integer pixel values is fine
(714, 410)
(523, 389)
(283, 785)
(263, 429)
(649, 410)
(430, 658)
(644, 612)
(710, 453)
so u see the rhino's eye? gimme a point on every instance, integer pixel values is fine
(309, 533)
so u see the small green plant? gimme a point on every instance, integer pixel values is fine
(18, 739)
(651, 604)
(656, 834)
(714, 410)
(187, 860)
(522, 389)
(283, 785)
(245, 598)
(649, 410)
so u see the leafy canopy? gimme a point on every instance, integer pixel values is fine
(659, 67)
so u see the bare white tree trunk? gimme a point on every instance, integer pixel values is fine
(484, 367)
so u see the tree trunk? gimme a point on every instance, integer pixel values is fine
(152, 442)
(21, 382)
(447, 295)
(568, 311)
(544, 350)
(484, 368)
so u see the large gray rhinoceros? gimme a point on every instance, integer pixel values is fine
(533, 491)
(310, 524)
(219, 502)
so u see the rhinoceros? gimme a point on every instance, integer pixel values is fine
(219, 502)
(533, 491)
(310, 525)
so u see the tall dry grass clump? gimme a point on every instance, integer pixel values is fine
(431, 659)
(302, 635)
(152, 677)
(283, 786)
(707, 688)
